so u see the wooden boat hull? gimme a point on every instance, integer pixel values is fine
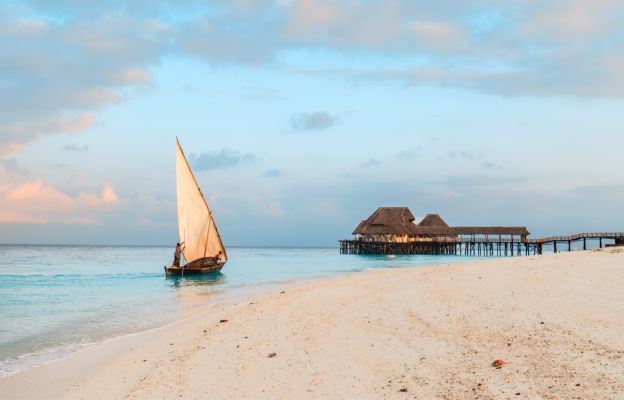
(181, 271)
(206, 265)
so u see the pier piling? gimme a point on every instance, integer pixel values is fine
(472, 246)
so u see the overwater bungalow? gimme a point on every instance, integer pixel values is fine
(396, 225)
(392, 230)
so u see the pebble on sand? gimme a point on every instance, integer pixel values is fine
(498, 363)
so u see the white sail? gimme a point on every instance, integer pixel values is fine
(196, 227)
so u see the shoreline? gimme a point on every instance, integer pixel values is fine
(226, 296)
(44, 356)
(386, 309)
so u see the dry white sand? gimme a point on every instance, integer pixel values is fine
(557, 321)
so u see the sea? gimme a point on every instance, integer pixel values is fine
(57, 300)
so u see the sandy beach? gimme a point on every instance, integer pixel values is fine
(556, 321)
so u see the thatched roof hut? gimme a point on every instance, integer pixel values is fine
(388, 221)
(399, 221)
(433, 221)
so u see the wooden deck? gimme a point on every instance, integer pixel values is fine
(481, 246)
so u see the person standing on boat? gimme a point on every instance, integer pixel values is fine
(177, 253)
(219, 257)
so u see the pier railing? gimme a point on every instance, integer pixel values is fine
(579, 236)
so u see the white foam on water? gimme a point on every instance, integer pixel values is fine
(24, 362)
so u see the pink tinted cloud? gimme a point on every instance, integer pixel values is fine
(9, 148)
(82, 221)
(382, 26)
(311, 14)
(29, 130)
(78, 124)
(62, 70)
(438, 34)
(133, 76)
(572, 20)
(12, 217)
(344, 24)
(34, 196)
(36, 202)
(106, 198)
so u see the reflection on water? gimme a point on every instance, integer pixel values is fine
(211, 279)
(190, 290)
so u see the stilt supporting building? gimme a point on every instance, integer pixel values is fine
(391, 230)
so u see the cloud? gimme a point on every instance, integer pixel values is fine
(35, 196)
(262, 94)
(439, 35)
(60, 165)
(538, 48)
(489, 165)
(389, 26)
(227, 41)
(73, 147)
(470, 156)
(408, 154)
(370, 163)
(13, 217)
(572, 19)
(8, 148)
(465, 155)
(315, 121)
(14, 134)
(223, 159)
(36, 202)
(460, 155)
(465, 181)
(61, 69)
(106, 198)
(64, 61)
(12, 165)
(272, 173)
(584, 73)
(145, 221)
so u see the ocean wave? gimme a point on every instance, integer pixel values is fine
(24, 362)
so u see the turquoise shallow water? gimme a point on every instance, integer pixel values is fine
(55, 300)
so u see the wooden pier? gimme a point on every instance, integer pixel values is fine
(480, 246)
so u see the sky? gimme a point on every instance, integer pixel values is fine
(301, 117)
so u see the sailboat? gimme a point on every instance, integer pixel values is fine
(202, 248)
